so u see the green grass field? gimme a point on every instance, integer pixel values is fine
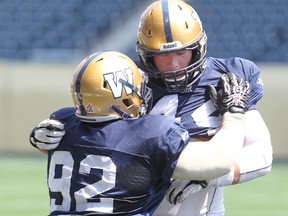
(23, 190)
(266, 196)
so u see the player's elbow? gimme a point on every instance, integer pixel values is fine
(268, 160)
(268, 165)
(266, 170)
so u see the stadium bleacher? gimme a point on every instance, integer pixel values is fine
(31, 25)
(256, 30)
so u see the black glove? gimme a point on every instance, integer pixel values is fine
(234, 95)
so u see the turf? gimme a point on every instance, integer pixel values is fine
(265, 196)
(23, 187)
(23, 190)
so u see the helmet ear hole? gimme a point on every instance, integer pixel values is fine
(127, 102)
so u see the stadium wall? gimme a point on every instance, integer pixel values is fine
(29, 92)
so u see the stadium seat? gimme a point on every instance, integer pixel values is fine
(249, 29)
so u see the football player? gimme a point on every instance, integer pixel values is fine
(172, 50)
(110, 162)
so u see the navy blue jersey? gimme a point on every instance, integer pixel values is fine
(195, 110)
(117, 168)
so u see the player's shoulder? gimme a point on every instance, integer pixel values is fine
(240, 66)
(231, 62)
(163, 131)
(160, 122)
(239, 60)
(246, 64)
(64, 113)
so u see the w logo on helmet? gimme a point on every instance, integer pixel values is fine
(113, 80)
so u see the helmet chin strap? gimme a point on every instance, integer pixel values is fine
(122, 114)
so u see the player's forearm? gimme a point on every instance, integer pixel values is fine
(255, 158)
(214, 158)
(254, 162)
(248, 167)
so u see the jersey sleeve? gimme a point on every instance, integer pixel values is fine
(257, 90)
(63, 113)
(177, 138)
(251, 73)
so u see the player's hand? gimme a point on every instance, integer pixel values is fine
(47, 134)
(234, 96)
(179, 190)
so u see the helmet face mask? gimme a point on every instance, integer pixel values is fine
(171, 26)
(108, 85)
